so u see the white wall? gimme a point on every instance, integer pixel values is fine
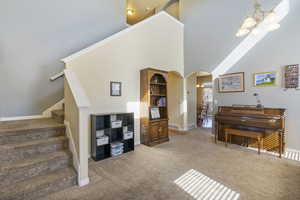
(175, 100)
(191, 82)
(156, 42)
(279, 48)
(35, 35)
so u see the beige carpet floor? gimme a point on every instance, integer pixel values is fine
(149, 173)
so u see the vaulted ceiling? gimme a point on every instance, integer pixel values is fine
(210, 28)
(143, 8)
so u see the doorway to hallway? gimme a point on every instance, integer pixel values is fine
(204, 100)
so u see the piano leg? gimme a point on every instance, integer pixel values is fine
(226, 138)
(259, 144)
(216, 131)
(280, 143)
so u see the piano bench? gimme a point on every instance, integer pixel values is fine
(250, 134)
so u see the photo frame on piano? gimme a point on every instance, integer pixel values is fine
(234, 82)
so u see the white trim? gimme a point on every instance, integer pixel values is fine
(137, 142)
(83, 182)
(293, 150)
(78, 92)
(174, 126)
(57, 106)
(117, 35)
(56, 76)
(22, 118)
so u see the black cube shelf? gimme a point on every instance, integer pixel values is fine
(103, 122)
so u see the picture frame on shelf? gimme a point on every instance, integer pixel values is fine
(234, 82)
(115, 88)
(265, 79)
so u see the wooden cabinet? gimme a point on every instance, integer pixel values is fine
(154, 106)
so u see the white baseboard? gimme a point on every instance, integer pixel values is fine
(83, 182)
(22, 118)
(293, 150)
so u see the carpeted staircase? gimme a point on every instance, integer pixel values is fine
(34, 158)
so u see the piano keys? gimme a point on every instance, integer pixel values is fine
(271, 121)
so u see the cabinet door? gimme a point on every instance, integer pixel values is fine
(163, 132)
(154, 131)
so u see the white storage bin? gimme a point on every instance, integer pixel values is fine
(99, 133)
(116, 124)
(102, 141)
(127, 135)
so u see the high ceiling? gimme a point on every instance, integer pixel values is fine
(210, 28)
(143, 8)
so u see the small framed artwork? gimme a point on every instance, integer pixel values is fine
(291, 76)
(115, 88)
(155, 113)
(234, 82)
(264, 79)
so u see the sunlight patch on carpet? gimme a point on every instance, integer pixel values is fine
(289, 154)
(202, 187)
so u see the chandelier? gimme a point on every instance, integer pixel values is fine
(251, 23)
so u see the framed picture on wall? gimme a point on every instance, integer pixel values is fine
(234, 82)
(264, 79)
(115, 88)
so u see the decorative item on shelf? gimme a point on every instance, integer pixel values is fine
(292, 77)
(115, 88)
(155, 113)
(265, 79)
(232, 82)
(117, 148)
(161, 101)
(258, 101)
(251, 23)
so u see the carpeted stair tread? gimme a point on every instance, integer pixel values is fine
(21, 170)
(32, 143)
(18, 127)
(39, 186)
(59, 113)
(13, 152)
(36, 160)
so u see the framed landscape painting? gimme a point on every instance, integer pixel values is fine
(264, 79)
(232, 82)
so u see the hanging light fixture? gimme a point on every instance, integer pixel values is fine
(251, 23)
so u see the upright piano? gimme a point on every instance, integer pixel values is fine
(270, 121)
